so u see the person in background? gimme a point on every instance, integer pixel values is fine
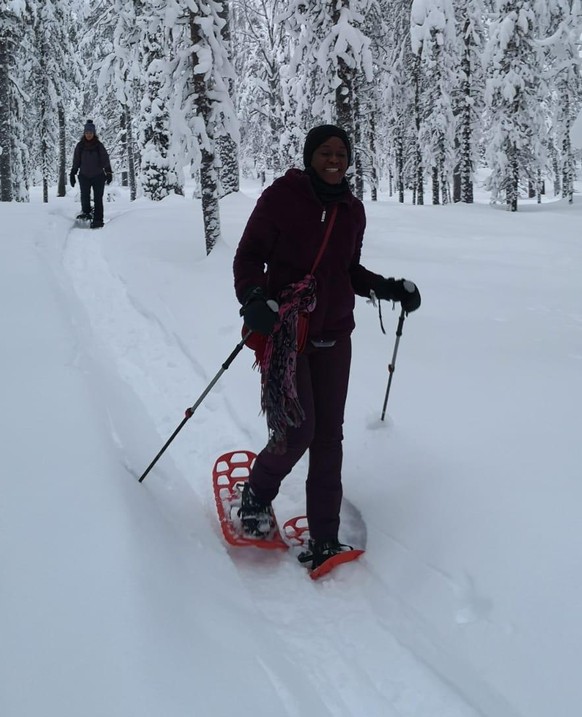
(303, 391)
(91, 161)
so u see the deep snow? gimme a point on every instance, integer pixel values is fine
(121, 599)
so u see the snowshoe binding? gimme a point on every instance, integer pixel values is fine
(84, 219)
(257, 518)
(321, 556)
(244, 520)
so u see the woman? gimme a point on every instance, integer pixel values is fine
(304, 393)
(91, 161)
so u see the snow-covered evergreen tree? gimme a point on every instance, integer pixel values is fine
(562, 56)
(434, 41)
(227, 146)
(8, 25)
(15, 52)
(333, 56)
(157, 180)
(48, 88)
(120, 69)
(514, 95)
(398, 140)
(419, 85)
(468, 95)
(261, 64)
(207, 106)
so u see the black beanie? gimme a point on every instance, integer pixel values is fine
(89, 126)
(318, 135)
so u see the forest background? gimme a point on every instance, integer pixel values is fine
(431, 91)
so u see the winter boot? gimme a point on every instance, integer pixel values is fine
(257, 518)
(84, 216)
(319, 551)
(96, 224)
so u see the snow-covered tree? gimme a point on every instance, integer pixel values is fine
(48, 88)
(468, 95)
(227, 145)
(120, 69)
(208, 107)
(333, 56)
(14, 46)
(397, 134)
(562, 57)
(426, 89)
(434, 42)
(157, 180)
(261, 65)
(514, 94)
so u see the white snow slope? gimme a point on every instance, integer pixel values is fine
(120, 599)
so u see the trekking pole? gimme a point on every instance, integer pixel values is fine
(392, 365)
(190, 411)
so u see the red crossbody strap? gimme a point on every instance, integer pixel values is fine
(325, 238)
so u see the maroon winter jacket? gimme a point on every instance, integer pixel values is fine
(284, 234)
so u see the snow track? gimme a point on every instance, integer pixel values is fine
(328, 632)
(119, 598)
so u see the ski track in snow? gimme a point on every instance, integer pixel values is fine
(325, 626)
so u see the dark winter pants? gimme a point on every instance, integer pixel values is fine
(322, 385)
(98, 185)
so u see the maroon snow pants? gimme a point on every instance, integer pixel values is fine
(322, 385)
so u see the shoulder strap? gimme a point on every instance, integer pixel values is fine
(326, 236)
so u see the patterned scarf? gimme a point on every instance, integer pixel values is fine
(278, 364)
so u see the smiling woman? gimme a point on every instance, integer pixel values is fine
(328, 152)
(301, 248)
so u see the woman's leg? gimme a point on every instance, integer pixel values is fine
(98, 188)
(85, 187)
(270, 468)
(330, 370)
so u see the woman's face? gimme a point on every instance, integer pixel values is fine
(89, 136)
(330, 160)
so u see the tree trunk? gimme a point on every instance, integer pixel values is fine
(5, 124)
(344, 98)
(123, 141)
(568, 160)
(556, 172)
(62, 181)
(419, 178)
(512, 178)
(466, 147)
(399, 157)
(131, 163)
(44, 152)
(357, 144)
(374, 161)
(208, 175)
(436, 186)
(457, 184)
(345, 91)
(418, 169)
(226, 145)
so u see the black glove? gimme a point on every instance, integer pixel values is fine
(259, 314)
(400, 290)
(72, 179)
(108, 177)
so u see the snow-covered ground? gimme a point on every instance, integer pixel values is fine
(120, 599)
